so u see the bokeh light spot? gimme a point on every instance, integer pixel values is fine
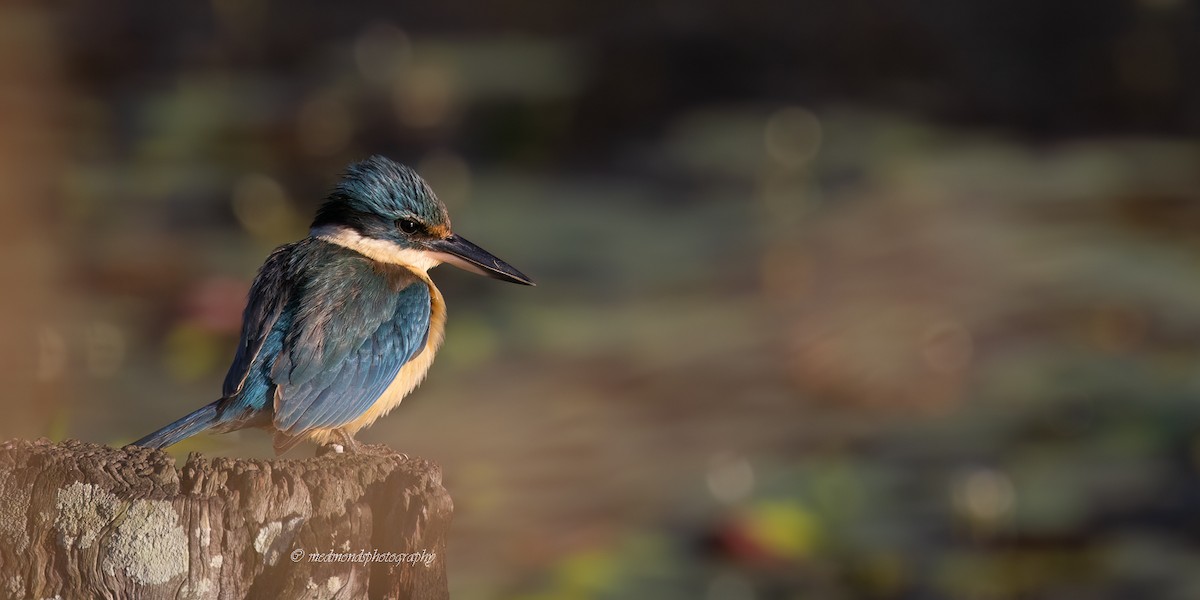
(382, 51)
(786, 528)
(730, 478)
(984, 495)
(424, 95)
(262, 207)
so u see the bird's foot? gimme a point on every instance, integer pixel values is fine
(346, 444)
(349, 444)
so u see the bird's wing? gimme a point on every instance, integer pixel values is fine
(268, 296)
(355, 325)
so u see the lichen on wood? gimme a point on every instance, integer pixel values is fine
(80, 520)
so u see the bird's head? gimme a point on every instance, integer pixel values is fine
(386, 211)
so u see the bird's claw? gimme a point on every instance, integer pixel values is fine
(350, 445)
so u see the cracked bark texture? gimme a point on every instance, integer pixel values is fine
(80, 520)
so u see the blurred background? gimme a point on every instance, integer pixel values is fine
(836, 300)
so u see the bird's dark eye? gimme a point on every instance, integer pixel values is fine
(407, 225)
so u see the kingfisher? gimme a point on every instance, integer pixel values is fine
(340, 326)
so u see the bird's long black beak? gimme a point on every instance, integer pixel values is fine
(465, 255)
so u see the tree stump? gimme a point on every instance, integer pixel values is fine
(80, 520)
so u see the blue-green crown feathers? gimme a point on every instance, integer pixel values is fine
(377, 192)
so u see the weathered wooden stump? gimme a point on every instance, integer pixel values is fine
(80, 520)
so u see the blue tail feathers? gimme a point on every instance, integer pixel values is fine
(182, 429)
